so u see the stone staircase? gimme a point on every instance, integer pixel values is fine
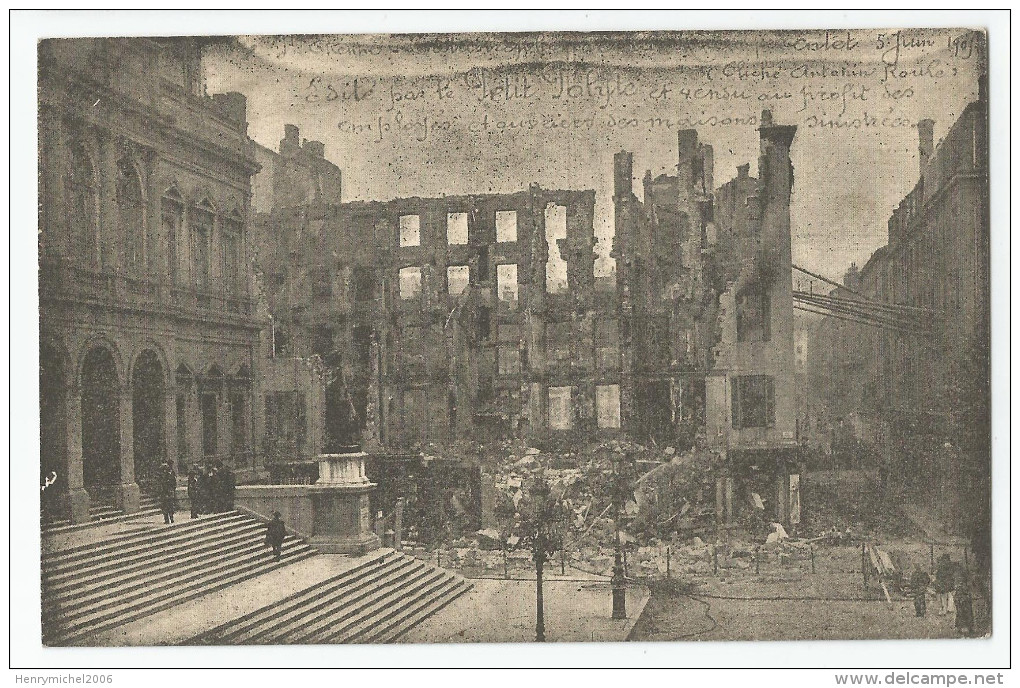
(374, 602)
(102, 508)
(97, 586)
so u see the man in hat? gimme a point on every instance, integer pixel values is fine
(167, 492)
(945, 581)
(194, 490)
(275, 534)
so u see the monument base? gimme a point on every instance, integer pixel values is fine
(342, 522)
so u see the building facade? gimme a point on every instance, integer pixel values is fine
(149, 340)
(905, 390)
(448, 318)
(706, 298)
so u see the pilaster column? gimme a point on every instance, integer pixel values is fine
(78, 498)
(170, 422)
(129, 494)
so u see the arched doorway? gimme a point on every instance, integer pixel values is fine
(100, 423)
(148, 400)
(52, 428)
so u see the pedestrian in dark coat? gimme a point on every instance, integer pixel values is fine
(167, 492)
(945, 581)
(275, 534)
(964, 604)
(202, 490)
(919, 582)
(212, 491)
(220, 487)
(194, 477)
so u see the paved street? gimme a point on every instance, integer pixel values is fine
(504, 611)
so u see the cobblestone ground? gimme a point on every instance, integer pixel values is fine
(789, 603)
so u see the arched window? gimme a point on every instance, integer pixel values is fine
(82, 211)
(173, 225)
(230, 240)
(203, 219)
(131, 217)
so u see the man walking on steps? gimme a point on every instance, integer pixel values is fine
(167, 492)
(275, 533)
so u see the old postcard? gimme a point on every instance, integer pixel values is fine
(514, 337)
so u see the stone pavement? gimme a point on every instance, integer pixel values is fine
(502, 611)
(181, 622)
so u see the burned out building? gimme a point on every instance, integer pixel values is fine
(752, 406)
(149, 339)
(447, 318)
(666, 303)
(705, 290)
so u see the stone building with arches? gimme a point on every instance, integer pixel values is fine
(149, 336)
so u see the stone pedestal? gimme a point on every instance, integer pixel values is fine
(342, 521)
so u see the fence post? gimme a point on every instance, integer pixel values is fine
(506, 570)
(811, 548)
(931, 557)
(563, 560)
(668, 572)
(439, 561)
(864, 563)
(715, 560)
(757, 559)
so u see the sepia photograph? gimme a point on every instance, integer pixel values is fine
(566, 336)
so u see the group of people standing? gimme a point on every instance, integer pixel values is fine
(952, 587)
(211, 489)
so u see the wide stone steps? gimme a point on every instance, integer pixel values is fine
(92, 588)
(86, 566)
(376, 601)
(98, 513)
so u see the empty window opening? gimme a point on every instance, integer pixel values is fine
(753, 401)
(410, 282)
(506, 226)
(506, 281)
(456, 228)
(457, 279)
(559, 408)
(555, 231)
(364, 284)
(410, 230)
(607, 406)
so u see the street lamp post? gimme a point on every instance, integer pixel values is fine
(544, 513)
(618, 581)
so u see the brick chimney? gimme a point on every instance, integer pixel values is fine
(925, 142)
(623, 169)
(290, 144)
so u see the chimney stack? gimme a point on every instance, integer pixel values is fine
(291, 142)
(623, 167)
(925, 142)
(743, 170)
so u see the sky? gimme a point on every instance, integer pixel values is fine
(428, 115)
